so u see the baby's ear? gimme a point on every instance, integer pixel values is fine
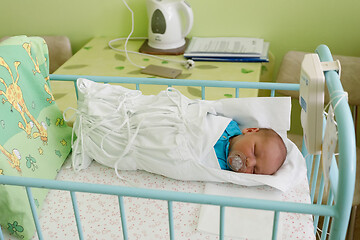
(248, 130)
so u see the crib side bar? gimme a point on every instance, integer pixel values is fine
(169, 195)
(34, 212)
(77, 215)
(181, 82)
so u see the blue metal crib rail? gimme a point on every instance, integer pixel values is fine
(342, 175)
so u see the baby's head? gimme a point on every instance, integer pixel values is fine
(263, 149)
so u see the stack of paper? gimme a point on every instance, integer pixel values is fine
(228, 49)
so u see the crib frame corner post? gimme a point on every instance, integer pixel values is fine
(347, 150)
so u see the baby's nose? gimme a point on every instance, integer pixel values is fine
(250, 162)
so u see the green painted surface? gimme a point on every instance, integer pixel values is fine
(287, 24)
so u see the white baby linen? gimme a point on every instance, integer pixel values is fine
(124, 129)
(166, 134)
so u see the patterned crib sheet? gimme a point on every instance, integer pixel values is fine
(146, 218)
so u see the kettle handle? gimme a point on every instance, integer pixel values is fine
(189, 17)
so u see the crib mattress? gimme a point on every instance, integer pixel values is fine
(147, 219)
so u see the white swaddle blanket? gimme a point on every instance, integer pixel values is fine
(169, 134)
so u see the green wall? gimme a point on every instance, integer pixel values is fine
(287, 24)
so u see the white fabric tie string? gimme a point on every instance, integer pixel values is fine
(182, 109)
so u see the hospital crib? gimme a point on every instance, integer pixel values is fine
(334, 210)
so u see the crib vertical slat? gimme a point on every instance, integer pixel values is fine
(76, 90)
(237, 92)
(1, 234)
(316, 167)
(319, 201)
(272, 94)
(334, 176)
(308, 159)
(327, 218)
(309, 165)
(275, 225)
(222, 223)
(137, 86)
(202, 92)
(77, 215)
(315, 175)
(123, 217)
(171, 220)
(34, 212)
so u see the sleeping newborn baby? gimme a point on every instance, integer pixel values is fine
(252, 150)
(173, 136)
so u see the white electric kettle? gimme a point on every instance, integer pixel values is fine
(169, 22)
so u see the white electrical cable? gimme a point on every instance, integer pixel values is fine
(341, 96)
(127, 39)
(188, 64)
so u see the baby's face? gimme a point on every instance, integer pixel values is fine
(263, 154)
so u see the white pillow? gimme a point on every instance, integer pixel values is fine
(266, 112)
